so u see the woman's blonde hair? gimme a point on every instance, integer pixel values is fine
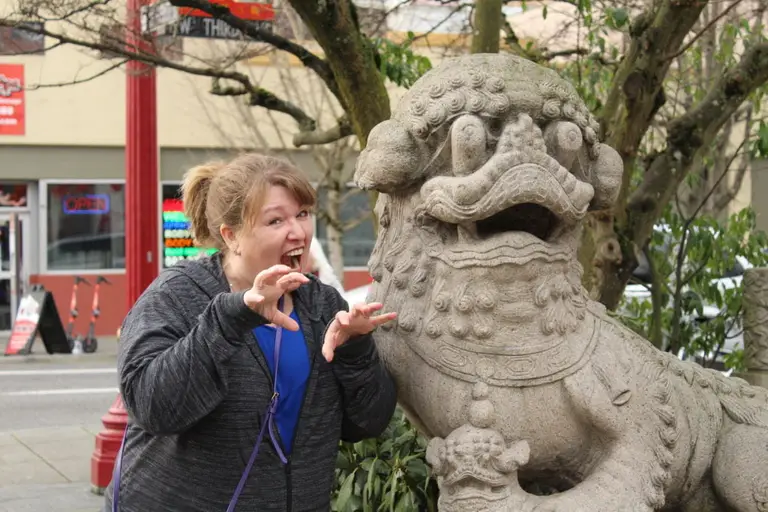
(234, 192)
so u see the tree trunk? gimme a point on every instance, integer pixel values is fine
(486, 29)
(334, 25)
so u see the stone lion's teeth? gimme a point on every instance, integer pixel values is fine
(467, 232)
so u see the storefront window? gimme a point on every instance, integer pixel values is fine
(177, 238)
(86, 226)
(359, 238)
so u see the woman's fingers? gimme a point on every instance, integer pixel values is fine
(343, 318)
(285, 321)
(292, 281)
(269, 276)
(382, 319)
(365, 310)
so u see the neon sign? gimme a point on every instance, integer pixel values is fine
(86, 204)
(177, 238)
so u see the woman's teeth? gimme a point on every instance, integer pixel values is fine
(294, 257)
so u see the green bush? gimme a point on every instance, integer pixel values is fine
(386, 473)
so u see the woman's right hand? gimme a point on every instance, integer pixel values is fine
(268, 287)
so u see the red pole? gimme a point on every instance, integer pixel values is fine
(141, 217)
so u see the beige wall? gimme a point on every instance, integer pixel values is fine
(93, 113)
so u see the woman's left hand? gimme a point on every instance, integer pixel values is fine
(356, 322)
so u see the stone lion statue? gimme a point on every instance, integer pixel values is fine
(486, 170)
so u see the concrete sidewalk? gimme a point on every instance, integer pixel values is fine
(48, 469)
(105, 351)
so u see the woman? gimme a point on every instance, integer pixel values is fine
(197, 359)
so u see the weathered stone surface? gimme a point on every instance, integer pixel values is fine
(755, 304)
(487, 169)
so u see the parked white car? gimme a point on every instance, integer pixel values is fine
(639, 289)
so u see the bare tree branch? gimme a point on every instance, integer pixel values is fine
(259, 97)
(80, 80)
(307, 58)
(341, 130)
(256, 95)
(704, 30)
(690, 134)
(549, 55)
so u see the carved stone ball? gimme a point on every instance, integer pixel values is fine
(481, 411)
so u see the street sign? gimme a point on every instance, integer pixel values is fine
(158, 15)
(210, 28)
(163, 19)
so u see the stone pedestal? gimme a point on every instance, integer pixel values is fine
(755, 305)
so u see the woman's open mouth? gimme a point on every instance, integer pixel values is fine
(293, 258)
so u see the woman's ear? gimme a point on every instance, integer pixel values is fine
(229, 237)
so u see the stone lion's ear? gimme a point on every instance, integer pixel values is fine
(605, 176)
(391, 160)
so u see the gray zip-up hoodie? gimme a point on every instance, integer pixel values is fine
(195, 384)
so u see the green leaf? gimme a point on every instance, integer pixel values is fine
(345, 493)
(620, 16)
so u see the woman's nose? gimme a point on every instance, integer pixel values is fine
(297, 231)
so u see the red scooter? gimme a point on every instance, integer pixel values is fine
(73, 310)
(90, 343)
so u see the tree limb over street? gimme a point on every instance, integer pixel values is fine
(306, 57)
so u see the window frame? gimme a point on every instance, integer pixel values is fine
(43, 224)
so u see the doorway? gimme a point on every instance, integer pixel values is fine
(14, 268)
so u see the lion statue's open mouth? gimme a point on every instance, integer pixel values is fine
(508, 204)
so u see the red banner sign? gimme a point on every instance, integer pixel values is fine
(250, 11)
(12, 99)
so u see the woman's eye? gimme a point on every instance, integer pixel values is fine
(274, 222)
(304, 213)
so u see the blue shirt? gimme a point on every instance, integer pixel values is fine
(292, 376)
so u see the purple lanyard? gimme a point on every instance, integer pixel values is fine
(267, 423)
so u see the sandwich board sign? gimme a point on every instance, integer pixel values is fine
(37, 314)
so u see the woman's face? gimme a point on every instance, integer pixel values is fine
(281, 234)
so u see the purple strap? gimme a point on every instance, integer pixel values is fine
(267, 424)
(116, 474)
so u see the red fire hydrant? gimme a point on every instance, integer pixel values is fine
(108, 444)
